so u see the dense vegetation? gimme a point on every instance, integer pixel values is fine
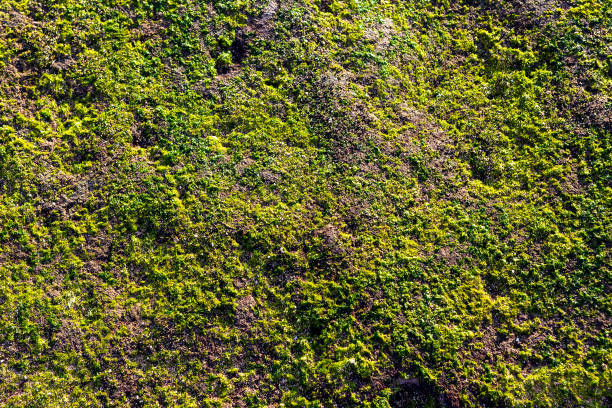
(315, 203)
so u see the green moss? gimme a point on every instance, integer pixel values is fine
(304, 203)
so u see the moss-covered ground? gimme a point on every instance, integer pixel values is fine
(315, 203)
